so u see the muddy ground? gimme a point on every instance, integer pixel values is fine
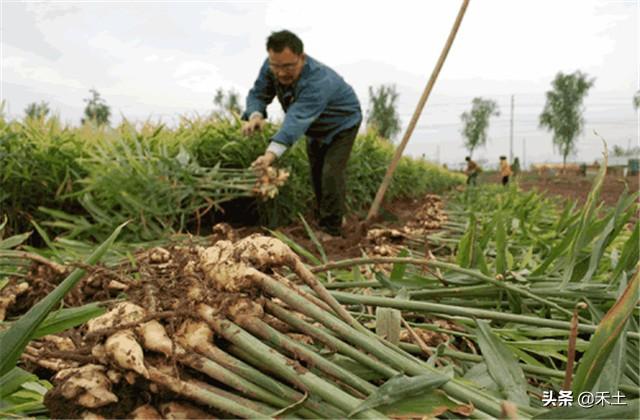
(571, 187)
(426, 213)
(400, 212)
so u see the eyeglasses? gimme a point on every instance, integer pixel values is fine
(287, 67)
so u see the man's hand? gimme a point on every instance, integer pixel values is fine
(255, 123)
(264, 161)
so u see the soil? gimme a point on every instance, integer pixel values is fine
(352, 242)
(165, 276)
(396, 214)
(571, 187)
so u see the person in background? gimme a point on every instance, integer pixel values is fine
(505, 170)
(515, 167)
(472, 171)
(318, 104)
(583, 169)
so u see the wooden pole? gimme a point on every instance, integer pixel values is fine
(373, 211)
(511, 134)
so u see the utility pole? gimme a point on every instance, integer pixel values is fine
(524, 153)
(511, 134)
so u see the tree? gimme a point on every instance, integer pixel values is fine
(36, 111)
(227, 104)
(563, 110)
(97, 110)
(619, 151)
(382, 115)
(636, 100)
(476, 122)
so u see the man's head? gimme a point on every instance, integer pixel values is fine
(286, 56)
(503, 158)
(467, 158)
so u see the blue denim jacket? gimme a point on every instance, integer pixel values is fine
(320, 104)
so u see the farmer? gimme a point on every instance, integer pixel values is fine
(505, 170)
(472, 171)
(515, 167)
(317, 103)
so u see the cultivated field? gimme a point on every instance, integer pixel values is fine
(457, 302)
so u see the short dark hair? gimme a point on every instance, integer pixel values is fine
(467, 158)
(503, 158)
(278, 41)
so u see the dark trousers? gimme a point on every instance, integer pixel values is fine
(328, 164)
(471, 178)
(505, 180)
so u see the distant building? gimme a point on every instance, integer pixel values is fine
(620, 165)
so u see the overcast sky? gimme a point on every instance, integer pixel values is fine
(160, 60)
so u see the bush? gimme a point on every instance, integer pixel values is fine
(96, 177)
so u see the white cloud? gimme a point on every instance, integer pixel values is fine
(19, 68)
(115, 48)
(45, 10)
(198, 76)
(166, 58)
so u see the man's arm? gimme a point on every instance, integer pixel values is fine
(312, 100)
(260, 95)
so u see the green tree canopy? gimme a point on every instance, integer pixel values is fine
(37, 110)
(636, 100)
(476, 122)
(562, 113)
(620, 151)
(382, 115)
(227, 104)
(96, 110)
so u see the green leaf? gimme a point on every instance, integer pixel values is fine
(559, 249)
(502, 365)
(515, 302)
(400, 387)
(45, 237)
(547, 344)
(21, 332)
(527, 259)
(357, 368)
(479, 375)
(384, 280)
(605, 337)
(397, 273)
(426, 405)
(314, 239)
(613, 370)
(629, 256)
(299, 249)
(480, 261)
(464, 258)
(566, 216)
(13, 241)
(13, 380)
(63, 319)
(501, 244)
(36, 386)
(587, 216)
